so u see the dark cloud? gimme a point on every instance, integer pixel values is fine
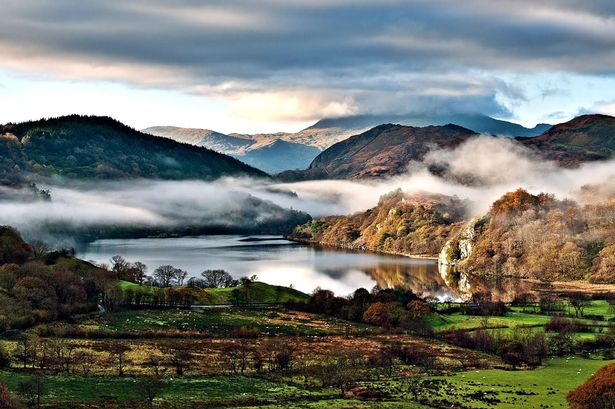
(383, 54)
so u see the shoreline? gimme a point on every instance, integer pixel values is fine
(363, 249)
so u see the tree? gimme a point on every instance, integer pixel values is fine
(119, 355)
(379, 314)
(578, 301)
(119, 266)
(597, 393)
(40, 249)
(164, 275)
(139, 271)
(85, 360)
(181, 357)
(217, 279)
(417, 309)
(25, 351)
(155, 362)
(180, 276)
(237, 355)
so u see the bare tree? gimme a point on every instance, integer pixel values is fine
(119, 266)
(180, 276)
(164, 275)
(217, 279)
(578, 301)
(40, 249)
(85, 360)
(182, 357)
(155, 362)
(139, 271)
(118, 355)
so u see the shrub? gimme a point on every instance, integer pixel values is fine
(597, 393)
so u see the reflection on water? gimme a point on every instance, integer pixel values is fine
(278, 261)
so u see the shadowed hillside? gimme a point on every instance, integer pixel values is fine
(83, 147)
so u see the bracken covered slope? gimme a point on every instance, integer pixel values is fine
(401, 224)
(540, 237)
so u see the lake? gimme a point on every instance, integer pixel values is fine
(277, 261)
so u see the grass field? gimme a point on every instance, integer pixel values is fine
(545, 387)
(210, 389)
(223, 321)
(522, 317)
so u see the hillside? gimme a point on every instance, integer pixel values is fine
(400, 224)
(540, 237)
(585, 138)
(38, 285)
(89, 147)
(385, 150)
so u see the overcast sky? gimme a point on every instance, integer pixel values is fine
(273, 65)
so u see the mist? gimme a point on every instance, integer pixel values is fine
(479, 170)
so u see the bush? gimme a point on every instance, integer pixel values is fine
(597, 393)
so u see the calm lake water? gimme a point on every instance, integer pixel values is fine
(277, 261)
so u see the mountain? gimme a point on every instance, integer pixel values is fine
(400, 224)
(303, 146)
(91, 147)
(475, 122)
(385, 150)
(584, 138)
(219, 142)
(268, 152)
(280, 156)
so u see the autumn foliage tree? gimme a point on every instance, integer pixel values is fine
(379, 314)
(597, 393)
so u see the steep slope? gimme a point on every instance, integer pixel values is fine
(86, 147)
(540, 237)
(385, 150)
(13, 249)
(418, 224)
(585, 138)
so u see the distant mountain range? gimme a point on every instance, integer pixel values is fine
(387, 150)
(91, 147)
(268, 152)
(279, 152)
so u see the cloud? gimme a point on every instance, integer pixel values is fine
(311, 58)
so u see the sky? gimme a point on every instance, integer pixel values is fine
(280, 65)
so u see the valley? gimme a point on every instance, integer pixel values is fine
(209, 283)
